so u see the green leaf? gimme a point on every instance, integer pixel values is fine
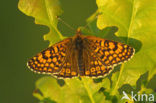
(84, 91)
(135, 19)
(142, 86)
(45, 12)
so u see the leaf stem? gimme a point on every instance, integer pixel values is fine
(88, 90)
(60, 35)
(118, 80)
(131, 20)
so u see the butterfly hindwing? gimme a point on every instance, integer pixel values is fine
(109, 52)
(50, 60)
(67, 71)
(93, 66)
(70, 67)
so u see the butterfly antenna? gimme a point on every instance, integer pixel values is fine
(66, 23)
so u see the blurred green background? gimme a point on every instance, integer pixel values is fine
(21, 39)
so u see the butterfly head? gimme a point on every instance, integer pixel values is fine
(78, 39)
(78, 31)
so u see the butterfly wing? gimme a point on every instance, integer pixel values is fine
(67, 71)
(52, 59)
(70, 68)
(110, 53)
(93, 66)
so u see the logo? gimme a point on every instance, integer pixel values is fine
(138, 97)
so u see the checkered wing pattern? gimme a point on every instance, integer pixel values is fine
(67, 71)
(94, 66)
(109, 53)
(52, 59)
(97, 58)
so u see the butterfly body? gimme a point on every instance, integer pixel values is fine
(78, 47)
(81, 56)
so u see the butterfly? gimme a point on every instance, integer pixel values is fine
(81, 55)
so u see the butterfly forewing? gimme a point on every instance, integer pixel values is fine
(51, 59)
(109, 52)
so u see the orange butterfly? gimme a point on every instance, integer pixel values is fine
(81, 56)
